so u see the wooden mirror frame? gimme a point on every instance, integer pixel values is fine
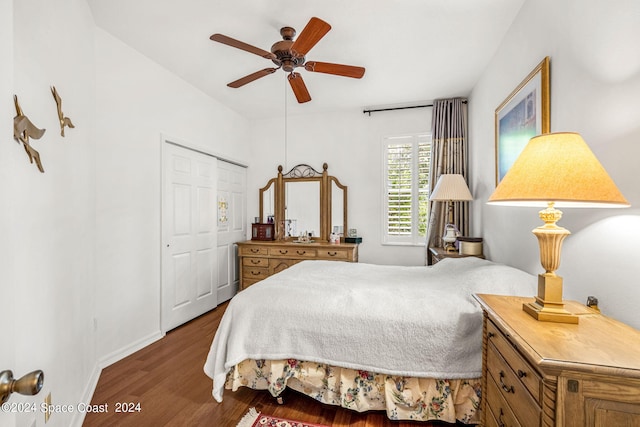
(304, 173)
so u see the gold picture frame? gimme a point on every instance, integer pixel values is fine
(524, 114)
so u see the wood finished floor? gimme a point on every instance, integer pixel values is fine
(167, 380)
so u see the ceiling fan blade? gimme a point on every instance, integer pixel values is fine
(220, 38)
(251, 77)
(299, 88)
(337, 69)
(315, 30)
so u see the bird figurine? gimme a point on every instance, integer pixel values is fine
(64, 121)
(23, 130)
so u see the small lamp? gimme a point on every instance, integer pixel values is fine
(450, 188)
(555, 169)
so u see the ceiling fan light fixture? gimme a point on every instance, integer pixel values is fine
(288, 65)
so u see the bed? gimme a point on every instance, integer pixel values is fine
(407, 340)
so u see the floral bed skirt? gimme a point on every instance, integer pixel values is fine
(403, 398)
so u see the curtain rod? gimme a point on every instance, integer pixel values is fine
(400, 108)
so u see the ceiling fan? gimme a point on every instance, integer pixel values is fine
(289, 54)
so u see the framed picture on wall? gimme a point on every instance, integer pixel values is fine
(521, 116)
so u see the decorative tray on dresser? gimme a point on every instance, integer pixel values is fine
(261, 259)
(556, 374)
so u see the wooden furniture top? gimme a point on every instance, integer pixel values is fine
(442, 253)
(289, 244)
(597, 344)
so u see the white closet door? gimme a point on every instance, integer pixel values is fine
(189, 264)
(232, 225)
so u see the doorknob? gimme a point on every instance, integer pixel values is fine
(28, 385)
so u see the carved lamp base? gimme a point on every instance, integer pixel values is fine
(548, 306)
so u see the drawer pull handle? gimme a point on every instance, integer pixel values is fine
(255, 251)
(255, 261)
(301, 252)
(500, 421)
(521, 373)
(255, 273)
(283, 251)
(332, 253)
(490, 335)
(506, 388)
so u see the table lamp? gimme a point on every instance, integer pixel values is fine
(449, 188)
(555, 169)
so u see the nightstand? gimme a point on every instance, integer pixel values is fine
(438, 254)
(547, 374)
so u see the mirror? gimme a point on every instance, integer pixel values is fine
(304, 199)
(267, 201)
(302, 208)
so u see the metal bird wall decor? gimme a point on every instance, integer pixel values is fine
(64, 121)
(23, 130)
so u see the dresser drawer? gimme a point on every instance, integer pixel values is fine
(293, 252)
(277, 265)
(303, 252)
(249, 250)
(254, 273)
(523, 370)
(340, 254)
(524, 407)
(281, 252)
(499, 412)
(255, 262)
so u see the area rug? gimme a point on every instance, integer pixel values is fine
(254, 418)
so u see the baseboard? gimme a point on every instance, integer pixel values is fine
(87, 395)
(105, 361)
(120, 354)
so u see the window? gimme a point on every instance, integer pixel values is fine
(407, 160)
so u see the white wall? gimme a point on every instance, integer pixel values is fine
(350, 143)
(595, 87)
(138, 103)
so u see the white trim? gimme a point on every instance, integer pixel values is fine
(128, 350)
(190, 146)
(78, 418)
(87, 395)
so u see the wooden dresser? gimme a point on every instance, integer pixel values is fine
(554, 374)
(261, 259)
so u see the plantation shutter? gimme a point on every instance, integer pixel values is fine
(407, 162)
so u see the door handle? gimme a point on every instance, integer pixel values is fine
(29, 385)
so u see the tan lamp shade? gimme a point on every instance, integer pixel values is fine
(450, 186)
(560, 168)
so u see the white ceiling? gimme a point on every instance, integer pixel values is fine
(413, 50)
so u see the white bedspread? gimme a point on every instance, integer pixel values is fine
(411, 321)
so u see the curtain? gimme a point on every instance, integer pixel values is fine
(448, 155)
